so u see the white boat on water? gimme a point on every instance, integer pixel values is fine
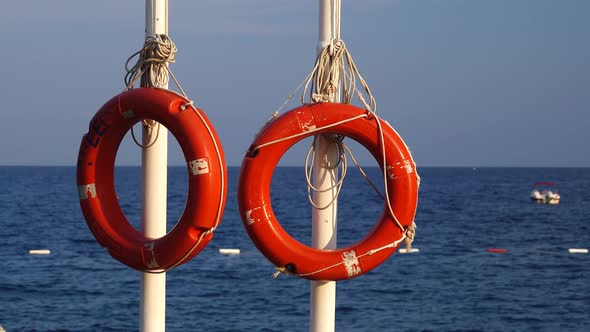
(545, 196)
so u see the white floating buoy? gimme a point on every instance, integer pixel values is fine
(405, 251)
(578, 251)
(39, 252)
(229, 251)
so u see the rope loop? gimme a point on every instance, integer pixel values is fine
(185, 105)
(336, 185)
(148, 126)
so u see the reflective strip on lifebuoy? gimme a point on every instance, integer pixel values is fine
(255, 202)
(207, 178)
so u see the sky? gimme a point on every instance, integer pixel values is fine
(465, 82)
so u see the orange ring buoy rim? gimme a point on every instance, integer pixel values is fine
(207, 188)
(264, 229)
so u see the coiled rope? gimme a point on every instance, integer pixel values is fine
(333, 78)
(152, 70)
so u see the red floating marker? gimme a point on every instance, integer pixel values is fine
(497, 250)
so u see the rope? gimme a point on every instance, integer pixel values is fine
(152, 62)
(152, 70)
(333, 77)
(286, 270)
(309, 171)
(304, 133)
(148, 126)
(384, 167)
(336, 68)
(362, 171)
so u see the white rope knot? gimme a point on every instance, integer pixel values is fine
(185, 105)
(152, 62)
(336, 47)
(320, 97)
(279, 270)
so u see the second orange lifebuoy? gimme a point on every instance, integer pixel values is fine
(254, 191)
(207, 179)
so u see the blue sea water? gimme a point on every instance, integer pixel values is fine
(452, 284)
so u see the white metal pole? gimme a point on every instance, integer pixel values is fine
(325, 175)
(154, 162)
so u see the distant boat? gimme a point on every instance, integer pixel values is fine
(543, 194)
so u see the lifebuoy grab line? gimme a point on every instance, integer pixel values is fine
(207, 179)
(400, 177)
(349, 259)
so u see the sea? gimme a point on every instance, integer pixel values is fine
(454, 282)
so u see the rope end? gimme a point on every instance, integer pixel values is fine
(410, 234)
(287, 269)
(279, 270)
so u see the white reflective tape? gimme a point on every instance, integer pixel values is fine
(260, 213)
(351, 263)
(308, 126)
(86, 191)
(199, 166)
(306, 121)
(249, 218)
(408, 166)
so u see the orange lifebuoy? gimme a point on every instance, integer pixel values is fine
(207, 188)
(259, 218)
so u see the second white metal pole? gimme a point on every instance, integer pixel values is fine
(325, 175)
(154, 162)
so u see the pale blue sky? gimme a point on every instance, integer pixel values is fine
(465, 82)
